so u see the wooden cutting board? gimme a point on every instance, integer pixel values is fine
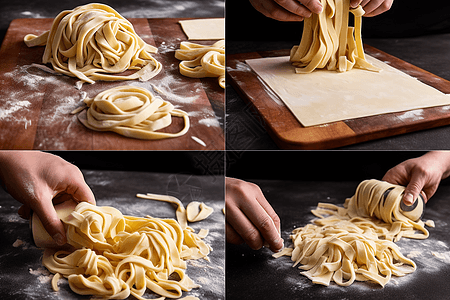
(288, 133)
(35, 105)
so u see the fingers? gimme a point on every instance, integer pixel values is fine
(243, 227)
(71, 182)
(50, 220)
(312, 6)
(232, 236)
(25, 212)
(287, 10)
(375, 7)
(251, 216)
(355, 3)
(80, 191)
(272, 10)
(266, 224)
(413, 189)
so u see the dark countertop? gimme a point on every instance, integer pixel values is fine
(257, 275)
(429, 52)
(22, 275)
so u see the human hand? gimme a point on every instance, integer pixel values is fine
(420, 175)
(372, 7)
(250, 218)
(38, 180)
(287, 10)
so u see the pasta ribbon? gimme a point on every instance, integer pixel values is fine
(93, 41)
(117, 255)
(133, 112)
(197, 211)
(328, 42)
(356, 242)
(199, 61)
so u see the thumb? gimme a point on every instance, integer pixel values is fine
(75, 185)
(50, 220)
(413, 189)
(81, 193)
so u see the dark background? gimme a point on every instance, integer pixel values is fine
(187, 162)
(404, 19)
(314, 165)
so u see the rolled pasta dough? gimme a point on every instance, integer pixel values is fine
(94, 42)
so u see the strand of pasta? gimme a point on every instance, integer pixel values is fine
(133, 112)
(199, 61)
(117, 256)
(328, 41)
(356, 242)
(93, 41)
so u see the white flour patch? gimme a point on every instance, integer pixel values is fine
(166, 47)
(240, 66)
(209, 122)
(22, 103)
(413, 114)
(39, 272)
(32, 14)
(170, 88)
(8, 109)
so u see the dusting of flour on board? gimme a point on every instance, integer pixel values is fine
(25, 98)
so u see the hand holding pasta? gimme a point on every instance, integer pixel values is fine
(289, 10)
(329, 42)
(39, 180)
(372, 7)
(421, 174)
(94, 42)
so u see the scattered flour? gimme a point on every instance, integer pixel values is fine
(209, 122)
(8, 110)
(39, 272)
(413, 254)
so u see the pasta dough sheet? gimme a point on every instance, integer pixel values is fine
(325, 96)
(204, 29)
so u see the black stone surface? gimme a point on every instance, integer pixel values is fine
(294, 182)
(117, 189)
(257, 275)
